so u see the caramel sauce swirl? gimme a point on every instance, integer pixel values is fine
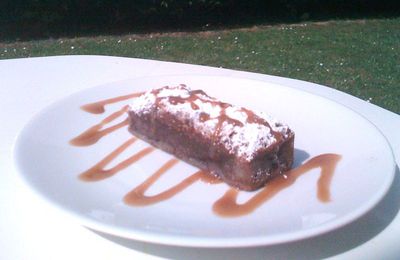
(98, 107)
(97, 172)
(225, 206)
(137, 196)
(94, 133)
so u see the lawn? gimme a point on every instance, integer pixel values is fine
(360, 57)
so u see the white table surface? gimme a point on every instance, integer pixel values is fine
(31, 229)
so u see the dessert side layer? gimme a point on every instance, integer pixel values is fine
(244, 148)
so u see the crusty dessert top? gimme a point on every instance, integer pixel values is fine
(241, 131)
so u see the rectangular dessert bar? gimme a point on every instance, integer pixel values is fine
(243, 148)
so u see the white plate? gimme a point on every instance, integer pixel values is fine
(51, 166)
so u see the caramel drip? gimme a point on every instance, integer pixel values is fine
(179, 100)
(94, 133)
(222, 117)
(253, 118)
(204, 117)
(192, 98)
(137, 196)
(198, 91)
(98, 107)
(97, 172)
(227, 205)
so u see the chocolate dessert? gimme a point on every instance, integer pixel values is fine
(243, 148)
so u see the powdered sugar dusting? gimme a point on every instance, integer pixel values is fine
(173, 92)
(143, 103)
(245, 141)
(236, 113)
(208, 107)
(275, 124)
(204, 114)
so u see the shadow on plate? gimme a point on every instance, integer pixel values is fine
(300, 156)
(326, 245)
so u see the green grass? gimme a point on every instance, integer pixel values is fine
(360, 57)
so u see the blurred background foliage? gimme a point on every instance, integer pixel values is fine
(32, 19)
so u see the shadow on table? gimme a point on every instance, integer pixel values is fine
(330, 244)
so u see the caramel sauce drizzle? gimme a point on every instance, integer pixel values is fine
(225, 206)
(99, 106)
(97, 172)
(137, 196)
(94, 133)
